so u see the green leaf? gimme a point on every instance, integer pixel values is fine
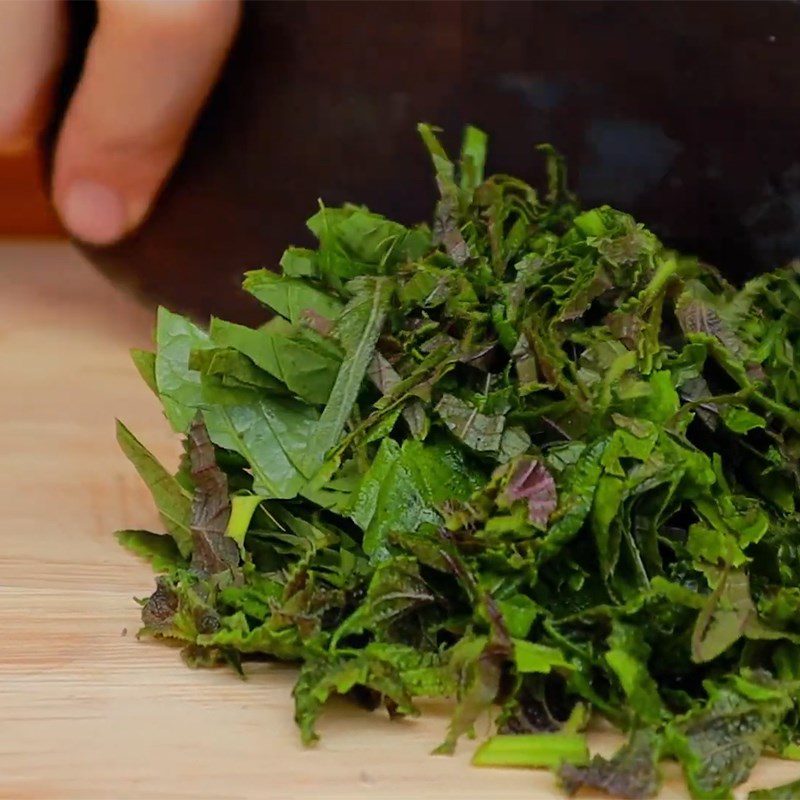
(179, 388)
(533, 750)
(720, 743)
(272, 435)
(661, 402)
(145, 363)
(408, 488)
(576, 492)
(628, 656)
(321, 679)
(356, 242)
(233, 370)
(290, 297)
(159, 549)
(292, 355)
(173, 502)
(590, 223)
(724, 618)
(557, 187)
(473, 158)
(740, 420)
(609, 494)
(530, 657)
(480, 669)
(359, 327)
(479, 432)
(483, 433)
(445, 169)
(789, 791)
(637, 683)
(243, 507)
(365, 500)
(396, 589)
(299, 262)
(519, 612)
(283, 643)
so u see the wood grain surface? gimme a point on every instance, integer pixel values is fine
(86, 710)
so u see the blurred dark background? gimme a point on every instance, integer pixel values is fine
(686, 114)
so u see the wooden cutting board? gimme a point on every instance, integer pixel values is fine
(87, 711)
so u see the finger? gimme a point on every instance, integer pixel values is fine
(149, 68)
(32, 38)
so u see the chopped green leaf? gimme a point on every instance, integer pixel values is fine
(632, 772)
(159, 549)
(789, 791)
(173, 502)
(536, 750)
(528, 460)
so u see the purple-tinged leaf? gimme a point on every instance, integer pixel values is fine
(483, 682)
(632, 772)
(531, 481)
(211, 507)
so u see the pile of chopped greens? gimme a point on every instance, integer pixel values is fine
(528, 459)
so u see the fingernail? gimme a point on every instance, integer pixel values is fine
(94, 213)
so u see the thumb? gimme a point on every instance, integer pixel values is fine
(149, 68)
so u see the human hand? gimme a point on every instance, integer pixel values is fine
(149, 67)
